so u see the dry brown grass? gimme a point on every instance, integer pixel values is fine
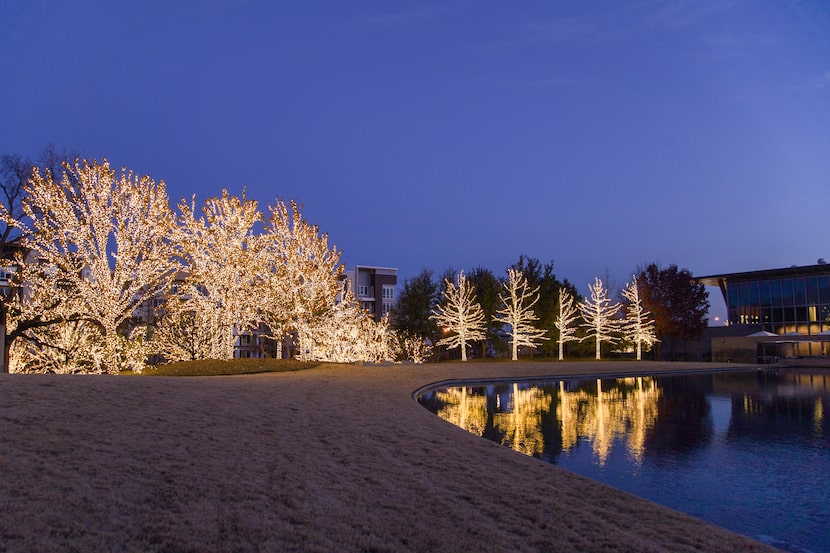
(335, 458)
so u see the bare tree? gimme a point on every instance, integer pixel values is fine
(599, 313)
(460, 315)
(565, 320)
(518, 314)
(639, 327)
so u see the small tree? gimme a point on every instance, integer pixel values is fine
(517, 313)
(639, 324)
(460, 315)
(599, 312)
(413, 347)
(564, 321)
(413, 308)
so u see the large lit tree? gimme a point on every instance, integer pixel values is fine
(219, 248)
(565, 319)
(459, 315)
(107, 239)
(517, 312)
(639, 326)
(599, 316)
(300, 274)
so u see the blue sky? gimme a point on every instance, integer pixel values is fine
(599, 135)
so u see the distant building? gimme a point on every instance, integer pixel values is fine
(773, 313)
(373, 287)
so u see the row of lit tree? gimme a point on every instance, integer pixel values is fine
(530, 307)
(462, 319)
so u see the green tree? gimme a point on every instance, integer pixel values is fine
(488, 287)
(411, 313)
(678, 302)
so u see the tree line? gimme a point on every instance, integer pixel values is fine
(104, 275)
(487, 315)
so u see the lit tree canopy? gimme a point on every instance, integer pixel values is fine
(299, 271)
(220, 249)
(599, 314)
(518, 300)
(107, 238)
(460, 315)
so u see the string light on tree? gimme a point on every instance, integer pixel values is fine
(639, 327)
(565, 320)
(599, 314)
(517, 312)
(460, 314)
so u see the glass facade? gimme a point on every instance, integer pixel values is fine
(785, 305)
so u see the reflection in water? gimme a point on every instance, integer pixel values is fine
(731, 448)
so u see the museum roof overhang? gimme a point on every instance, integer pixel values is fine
(767, 274)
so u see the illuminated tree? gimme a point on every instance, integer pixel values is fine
(599, 312)
(219, 248)
(299, 272)
(106, 240)
(15, 318)
(542, 276)
(344, 333)
(518, 301)
(186, 327)
(639, 324)
(564, 321)
(413, 347)
(460, 315)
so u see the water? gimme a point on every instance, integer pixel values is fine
(748, 451)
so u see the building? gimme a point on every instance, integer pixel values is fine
(373, 287)
(774, 313)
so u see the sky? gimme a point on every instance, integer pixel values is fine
(599, 135)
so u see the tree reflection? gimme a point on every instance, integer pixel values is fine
(625, 411)
(545, 421)
(521, 425)
(464, 409)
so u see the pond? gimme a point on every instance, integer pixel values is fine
(748, 450)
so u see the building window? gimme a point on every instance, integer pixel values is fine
(387, 307)
(362, 290)
(388, 292)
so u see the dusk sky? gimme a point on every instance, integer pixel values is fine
(599, 135)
